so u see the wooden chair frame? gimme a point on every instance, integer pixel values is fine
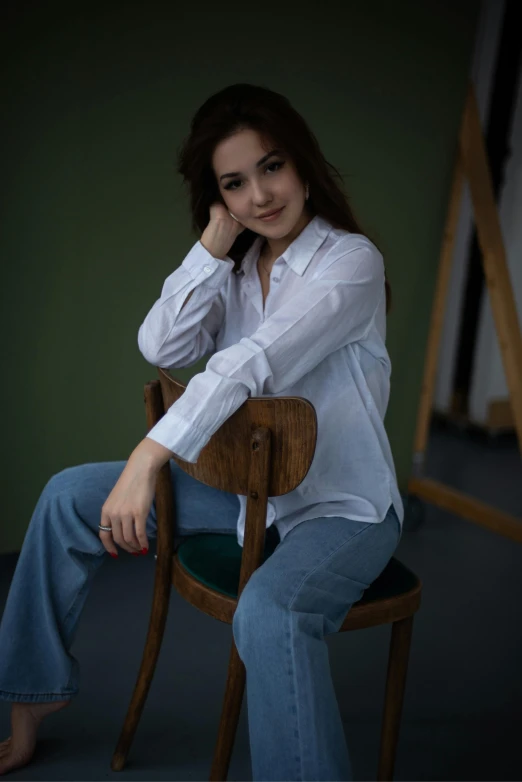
(264, 449)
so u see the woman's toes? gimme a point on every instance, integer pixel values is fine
(5, 745)
(10, 759)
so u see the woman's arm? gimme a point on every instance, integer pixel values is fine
(174, 335)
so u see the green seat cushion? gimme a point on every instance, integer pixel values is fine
(215, 560)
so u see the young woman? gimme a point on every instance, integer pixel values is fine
(290, 297)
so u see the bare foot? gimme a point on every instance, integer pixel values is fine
(18, 749)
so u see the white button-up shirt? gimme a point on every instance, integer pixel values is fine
(320, 335)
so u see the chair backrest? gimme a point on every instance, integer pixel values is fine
(225, 461)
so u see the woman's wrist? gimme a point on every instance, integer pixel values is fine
(151, 455)
(216, 239)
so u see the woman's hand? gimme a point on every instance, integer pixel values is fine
(221, 232)
(128, 505)
(219, 213)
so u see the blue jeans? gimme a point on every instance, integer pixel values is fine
(302, 592)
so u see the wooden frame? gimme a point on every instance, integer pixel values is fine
(472, 165)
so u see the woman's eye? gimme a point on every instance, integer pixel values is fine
(238, 181)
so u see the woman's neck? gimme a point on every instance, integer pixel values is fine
(265, 256)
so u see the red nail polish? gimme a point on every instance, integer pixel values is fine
(144, 550)
(114, 556)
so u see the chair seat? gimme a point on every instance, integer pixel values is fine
(214, 559)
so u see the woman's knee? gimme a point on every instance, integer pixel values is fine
(66, 479)
(96, 477)
(78, 493)
(259, 616)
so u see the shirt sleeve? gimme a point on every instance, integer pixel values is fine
(174, 337)
(334, 309)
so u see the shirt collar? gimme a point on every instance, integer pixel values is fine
(299, 253)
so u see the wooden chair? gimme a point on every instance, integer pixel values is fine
(263, 450)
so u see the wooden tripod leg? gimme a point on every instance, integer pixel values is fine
(496, 271)
(158, 618)
(234, 691)
(437, 319)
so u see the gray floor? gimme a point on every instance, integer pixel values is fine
(462, 715)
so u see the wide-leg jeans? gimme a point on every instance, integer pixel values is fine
(301, 593)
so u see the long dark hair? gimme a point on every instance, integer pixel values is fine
(248, 106)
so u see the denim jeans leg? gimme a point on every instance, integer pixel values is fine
(60, 555)
(200, 508)
(298, 595)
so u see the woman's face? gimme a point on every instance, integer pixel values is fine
(254, 189)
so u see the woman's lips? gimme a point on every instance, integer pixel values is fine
(272, 217)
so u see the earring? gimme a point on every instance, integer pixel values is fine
(307, 192)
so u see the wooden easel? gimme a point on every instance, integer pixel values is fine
(472, 164)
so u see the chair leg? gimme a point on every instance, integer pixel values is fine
(395, 684)
(234, 691)
(158, 618)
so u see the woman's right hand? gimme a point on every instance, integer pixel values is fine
(222, 230)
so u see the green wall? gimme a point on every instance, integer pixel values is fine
(96, 99)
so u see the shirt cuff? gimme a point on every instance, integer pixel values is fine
(202, 266)
(180, 436)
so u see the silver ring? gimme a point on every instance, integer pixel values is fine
(104, 529)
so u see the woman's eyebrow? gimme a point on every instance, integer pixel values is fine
(259, 163)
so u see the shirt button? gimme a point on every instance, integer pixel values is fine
(207, 269)
(276, 279)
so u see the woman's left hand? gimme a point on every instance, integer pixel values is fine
(128, 505)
